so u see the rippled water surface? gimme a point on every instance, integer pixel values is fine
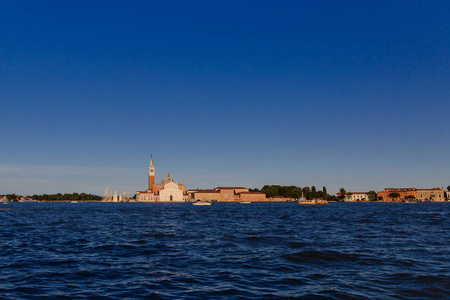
(225, 251)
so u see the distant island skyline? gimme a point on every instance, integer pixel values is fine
(318, 187)
(300, 93)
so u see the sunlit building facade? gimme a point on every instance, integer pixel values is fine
(166, 191)
(402, 194)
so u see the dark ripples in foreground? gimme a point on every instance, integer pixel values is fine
(225, 251)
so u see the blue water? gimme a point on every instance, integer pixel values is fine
(225, 251)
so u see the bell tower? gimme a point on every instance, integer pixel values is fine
(151, 174)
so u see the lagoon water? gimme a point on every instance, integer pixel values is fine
(225, 251)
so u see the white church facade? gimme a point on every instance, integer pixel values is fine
(166, 191)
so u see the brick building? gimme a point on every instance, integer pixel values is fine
(227, 194)
(403, 192)
(434, 194)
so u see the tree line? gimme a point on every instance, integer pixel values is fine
(66, 197)
(296, 192)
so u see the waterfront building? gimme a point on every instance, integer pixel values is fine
(239, 194)
(447, 195)
(358, 197)
(434, 194)
(166, 191)
(227, 194)
(230, 194)
(204, 195)
(253, 197)
(386, 195)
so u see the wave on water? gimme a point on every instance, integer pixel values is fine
(225, 251)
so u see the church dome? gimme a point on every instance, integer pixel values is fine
(168, 179)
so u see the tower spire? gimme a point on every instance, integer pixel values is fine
(151, 174)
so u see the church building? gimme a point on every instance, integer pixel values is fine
(166, 191)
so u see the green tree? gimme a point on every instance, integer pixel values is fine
(394, 195)
(448, 188)
(285, 191)
(319, 194)
(313, 192)
(342, 193)
(271, 190)
(332, 198)
(11, 197)
(372, 195)
(291, 191)
(325, 194)
(307, 192)
(297, 192)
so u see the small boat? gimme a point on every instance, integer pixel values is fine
(245, 202)
(198, 202)
(312, 202)
(73, 201)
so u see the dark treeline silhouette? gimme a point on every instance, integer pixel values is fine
(295, 192)
(66, 197)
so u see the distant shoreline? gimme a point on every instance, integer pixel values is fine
(156, 202)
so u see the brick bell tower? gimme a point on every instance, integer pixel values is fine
(151, 174)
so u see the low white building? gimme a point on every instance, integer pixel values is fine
(358, 197)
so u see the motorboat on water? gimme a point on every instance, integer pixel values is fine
(312, 201)
(198, 202)
(245, 202)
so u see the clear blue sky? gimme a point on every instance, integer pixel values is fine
(350, 94)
